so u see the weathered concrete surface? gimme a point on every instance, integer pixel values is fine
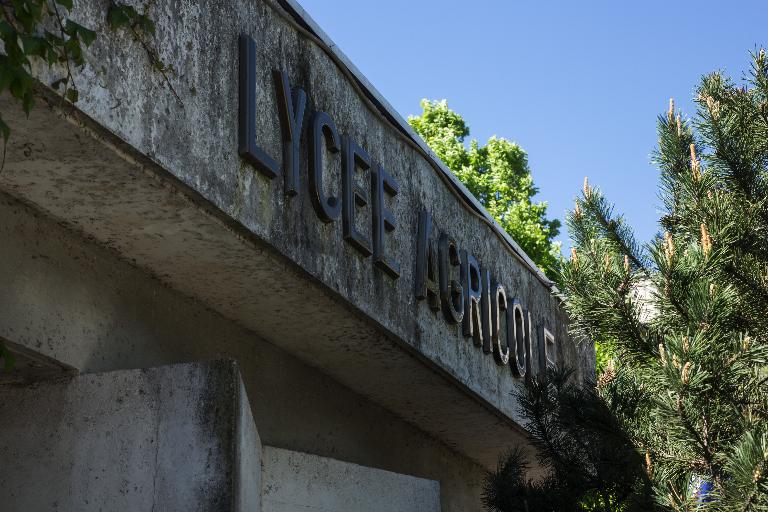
(299, 481)
(141, 440)
(160, 183)
(195, 142)
(78, 302)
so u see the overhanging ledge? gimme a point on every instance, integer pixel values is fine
(167, 180)
(75, 171)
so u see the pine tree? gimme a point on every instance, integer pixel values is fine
(684, 317)
(591, 461)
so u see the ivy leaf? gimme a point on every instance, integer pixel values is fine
(73, 95)
(10, 361)
(70, 28)
(72, 45)
(53, 38)
(21, 88)
(5, 131)
(52, 55)
(67, 4)
(76, 30)
(6, 30)
(6, 73)
(17, 84)
(146, 24)
(26, 14)
(120, 15)
(117, 16)
(28, 101)
(7, 357)
(35, 9)
(34, 45)
(87, 35)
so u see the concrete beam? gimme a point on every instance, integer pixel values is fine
(157, 178)
(101, 187)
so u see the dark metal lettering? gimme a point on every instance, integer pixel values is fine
(247, 147)
(451, 291)
(550, 354)
(325, 137)
(499, 309)
(383, 220)
(470, 279)
(427, 274)
(290, 105)
(516, 319)
(529, 371)
(354, 197)
(485, 310)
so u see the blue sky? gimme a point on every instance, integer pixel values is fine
(577, 84)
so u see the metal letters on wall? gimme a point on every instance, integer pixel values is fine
(451, 280)
(495, 323)
(325, 143)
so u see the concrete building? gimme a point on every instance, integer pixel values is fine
(251, 286)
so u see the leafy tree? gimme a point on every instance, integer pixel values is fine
(684, 317)
(497, 174)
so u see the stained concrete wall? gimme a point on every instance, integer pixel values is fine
(158, 181)
(176, 438)
(77, 302)
(300, 481)
(193, 134)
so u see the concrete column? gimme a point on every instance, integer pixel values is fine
(174, 438)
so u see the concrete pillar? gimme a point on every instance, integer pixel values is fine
(174, 438)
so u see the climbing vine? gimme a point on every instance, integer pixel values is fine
(7, 357)
(142, 29)
(42, 31)
(38, 30)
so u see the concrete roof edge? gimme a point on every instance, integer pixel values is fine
(303, 18)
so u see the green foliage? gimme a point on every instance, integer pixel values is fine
(39, 30)
(141, 28)
(591, 463)
(42, 31)
(121, 15)
(7, 357)
(603, 358)
(684, 315)
(497, 174)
